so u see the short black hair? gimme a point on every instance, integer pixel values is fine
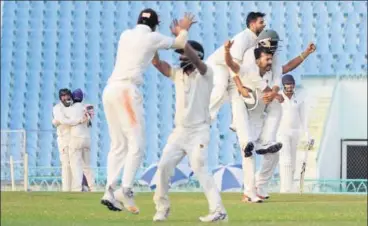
(258, 52)
(148, 17)
(253, 16)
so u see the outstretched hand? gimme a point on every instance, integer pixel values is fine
(175, 28)
(228, 44)
(187, 21)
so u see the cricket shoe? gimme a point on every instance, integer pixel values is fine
(248, 150)
(161, 215)
(126, 197)
(251, 199)
(109, 200)
(217, 216)
(262, 194)
(269, 148)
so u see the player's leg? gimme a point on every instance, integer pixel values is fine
(66, 175)
(286, 167)
(87, 169)
(294, 141)
(196, 148)
(220, 85)
(249, 164)
(270, 128)
(265, 173)
(132, 120)
(241, 120)
(117, 153)
(171, 156)
(76, 163)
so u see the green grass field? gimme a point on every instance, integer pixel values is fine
(76, 209)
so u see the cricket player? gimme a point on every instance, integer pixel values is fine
(249, 83)
(123, 102)
(63, 122)
(293, 124)
(268, 120)
(193, 85)
(80, 144)
(273, 110)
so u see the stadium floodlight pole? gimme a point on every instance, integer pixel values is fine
(12, 173)
(304, 165)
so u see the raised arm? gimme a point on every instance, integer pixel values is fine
(294, 63)
(194, 58)
(162, 66)
(234, 66)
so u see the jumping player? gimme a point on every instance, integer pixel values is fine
(123, 102)
(193, 84)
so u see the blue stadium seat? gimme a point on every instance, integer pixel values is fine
(363, 33)
(360, 7)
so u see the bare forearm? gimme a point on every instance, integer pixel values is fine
(231, 63)
(239, 85)
(194, 58)
(294, 63)
(161, 66)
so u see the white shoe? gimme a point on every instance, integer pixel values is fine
(126, 197)
(251, 199)
(109, 200)
(215, 217)
(262, 193)
(161, 215)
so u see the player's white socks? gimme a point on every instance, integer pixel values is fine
(286, 178)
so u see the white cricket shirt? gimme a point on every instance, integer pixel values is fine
(193, 94)
(59, 112)
(294, 115)
(77, 112)
(249, 62)
(242, 42)
(136, 49)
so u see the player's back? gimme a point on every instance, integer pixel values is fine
(77, 110)
(136, 49)
(242, 42)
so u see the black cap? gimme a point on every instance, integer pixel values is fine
(288, 79)
(196, 46)
(148, 17)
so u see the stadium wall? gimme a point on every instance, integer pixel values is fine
(347, 119)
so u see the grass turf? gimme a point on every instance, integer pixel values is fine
(77, 209)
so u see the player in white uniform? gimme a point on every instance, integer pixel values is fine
(294, 122)
(193, 84)
(123, 103)
(224, 86)
(80, 144)
(63, 123)
(256, 81)
(272, 112)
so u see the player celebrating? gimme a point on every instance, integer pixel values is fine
(123, 103)
(293, 122)
(193, 84)
(80, 144)
(63, 136)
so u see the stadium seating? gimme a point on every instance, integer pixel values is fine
(50, 45)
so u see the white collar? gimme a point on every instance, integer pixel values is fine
(143, 27)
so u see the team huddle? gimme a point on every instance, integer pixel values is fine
(245, 70)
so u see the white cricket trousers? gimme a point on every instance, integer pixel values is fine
(80, 162)
(224, 87)
(260, 131)
(123, 105)
(66, 176)
(287, 160)
(192, 142)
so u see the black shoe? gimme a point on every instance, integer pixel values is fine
(248, 150)
(271, 149)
